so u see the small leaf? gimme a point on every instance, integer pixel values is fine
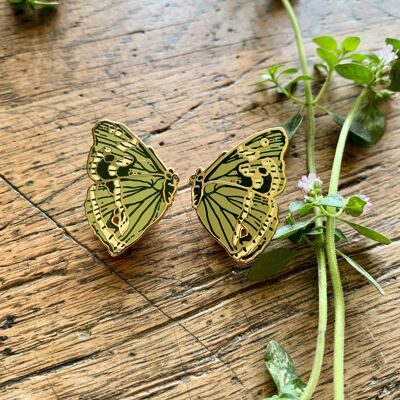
(394, 76)
(261, 81)
(287, 230)
(332, 200)
(296, 237)
(33, 4)
(288, 71)
(355, 206)
(361, 57)
(272, 70)
(368, 126)
(350, 44)
(362, 271)
(330, 58)
(293, 124)
(271, 262)
(358, 57)
(282, 370)
(372, 57)
(321, 68)
(384, 95)
(314, 231)
(358, 73)
(299, 78)
(306, 210)
(296, 205)
(326, 42)
(340, 235)
(394, 42)
(368, 232)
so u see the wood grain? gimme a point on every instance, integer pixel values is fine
(174, 318)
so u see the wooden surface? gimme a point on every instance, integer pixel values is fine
(174, 318)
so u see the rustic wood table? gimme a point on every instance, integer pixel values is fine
(174, 318)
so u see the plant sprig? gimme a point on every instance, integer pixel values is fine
(311, 221)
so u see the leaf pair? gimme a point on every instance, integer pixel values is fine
(275, 73)
(331, 53)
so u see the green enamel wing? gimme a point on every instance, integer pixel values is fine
(132, 187)
(234, 197)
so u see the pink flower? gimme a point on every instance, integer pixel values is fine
(387, 55)
(310, 182)
(368, 206)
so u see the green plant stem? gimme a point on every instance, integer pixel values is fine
(289, 95)
(307, 88)
(337, 161)
(322, 317)
(319, 243)
(338, 357)
(323, 88)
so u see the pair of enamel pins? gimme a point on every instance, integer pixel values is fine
(234, 197)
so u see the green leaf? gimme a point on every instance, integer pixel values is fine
(358, 73)
(293, 124)
(287, 230)
(355, 206)
(296, 237)
(313, 232)
(372, 58)
(296, 205)
(368, 126)
(326, 42)
(394, 76)
(268, 74)
(271, 262)
(394, 42)
(321, 68)
(362, 271)
(283, 373)
(330, 58)
(288, 71)
(368, 232)
(351, 43)
(271, 71)
(33, 4)
(306, 210)
(340, 235)
(261, 82)
(383, 96)
(332, 200)
(358, 57)
(289, 85)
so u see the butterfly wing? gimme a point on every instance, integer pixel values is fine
(132, 188)
(234, 197)
(221, 209)
(256, 162)
(115, 143)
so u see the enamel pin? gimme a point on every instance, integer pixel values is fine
(235, 196)
(132, 188)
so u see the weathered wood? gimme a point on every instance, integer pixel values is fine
(173, 318)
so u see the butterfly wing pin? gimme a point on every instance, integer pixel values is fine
(132, 188)
(235, 197)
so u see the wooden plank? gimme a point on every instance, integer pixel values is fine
(58, 303)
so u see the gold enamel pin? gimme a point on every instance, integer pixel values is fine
(132, 187)
(235, 196)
